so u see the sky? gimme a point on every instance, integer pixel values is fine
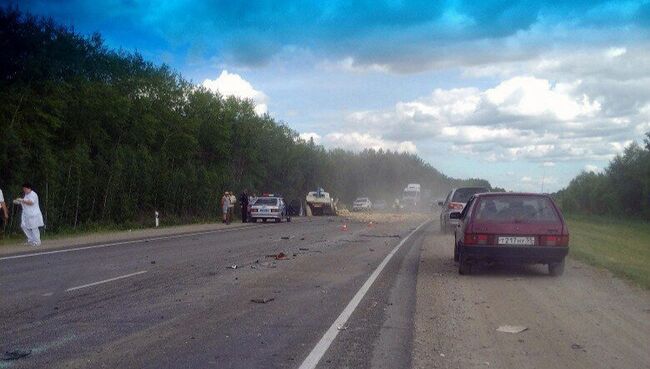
(526, 94)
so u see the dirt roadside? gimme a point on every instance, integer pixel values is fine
(584, 319)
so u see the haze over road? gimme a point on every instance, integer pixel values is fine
(174, 303)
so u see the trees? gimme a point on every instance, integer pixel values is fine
(107, 137)
(623, 188)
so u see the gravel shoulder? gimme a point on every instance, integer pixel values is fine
(584, 319)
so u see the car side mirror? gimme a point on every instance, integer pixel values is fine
(454, 215)
(440, 203)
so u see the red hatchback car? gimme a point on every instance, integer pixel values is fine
(511, 228)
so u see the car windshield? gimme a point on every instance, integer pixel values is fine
(463, 194)
(515, 209)
(267, 201)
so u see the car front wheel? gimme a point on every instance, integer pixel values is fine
(556, 269)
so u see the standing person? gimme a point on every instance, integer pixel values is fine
(5, 211)
(243, 202)
(225, 205)
(31, 216)
(231, 208)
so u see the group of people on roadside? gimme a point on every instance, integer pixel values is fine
(228, 202)
(31, 218)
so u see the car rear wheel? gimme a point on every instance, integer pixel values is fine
(464, 267)
(288, 219)
(556, 269)
(456, 256)
(278, 220)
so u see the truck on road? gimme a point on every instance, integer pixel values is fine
(411, 196)
(319, 202)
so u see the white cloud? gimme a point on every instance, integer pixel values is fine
(585, 105)
(356, 141)
(526, 179)
(530, 96)
(232, 84)
(592, 168)
(548, 164)
(311, 135)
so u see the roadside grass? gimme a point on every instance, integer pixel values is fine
(619, 245)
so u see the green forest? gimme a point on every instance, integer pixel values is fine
(106, 137)
(622, 189)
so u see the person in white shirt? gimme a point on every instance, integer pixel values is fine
(5, 211)
(31, 215)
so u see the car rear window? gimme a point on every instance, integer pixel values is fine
(506, 209)
(463, 194)
(267, 201)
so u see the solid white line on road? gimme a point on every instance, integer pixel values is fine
(105, 281)
(323, 345)
(222, 230)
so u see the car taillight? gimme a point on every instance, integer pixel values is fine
(554, 240)
(253, 210)
(475, 239)
(455, 206)
(275, 210)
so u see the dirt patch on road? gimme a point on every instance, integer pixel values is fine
(584, 319)
(381, 217)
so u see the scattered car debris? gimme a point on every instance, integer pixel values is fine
(285, 238)
(15, 354)
(234, 266)
(263, 300)
(344, 227)
(302, 238)
(153, 262)
(575, 346)
(278, 256)
(303, 248)
(512, 328)
(342, 327)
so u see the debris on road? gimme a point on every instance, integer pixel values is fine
(344, 227)
(234, 266)
(382, 235)
(342, 327)
(15, 354)
(575, 346)
(278, 256)
(512, 328)
(285, 238)
(303, 249)
(153, 262)
(263, 300)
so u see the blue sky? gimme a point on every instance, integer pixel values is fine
(518, 92)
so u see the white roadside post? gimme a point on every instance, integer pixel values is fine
(157, 220)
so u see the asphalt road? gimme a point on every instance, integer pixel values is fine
(174, 303)
(386, 296)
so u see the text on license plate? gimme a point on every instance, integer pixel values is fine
(516, 240)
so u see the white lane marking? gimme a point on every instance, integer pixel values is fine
(105, 281)
(323, 345)
(129, 242)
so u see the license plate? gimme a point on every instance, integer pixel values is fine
(265, 211)
(527, 241)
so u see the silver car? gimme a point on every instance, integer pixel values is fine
(269, 207)
(455, 202)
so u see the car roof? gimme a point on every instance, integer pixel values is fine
(493, 194)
